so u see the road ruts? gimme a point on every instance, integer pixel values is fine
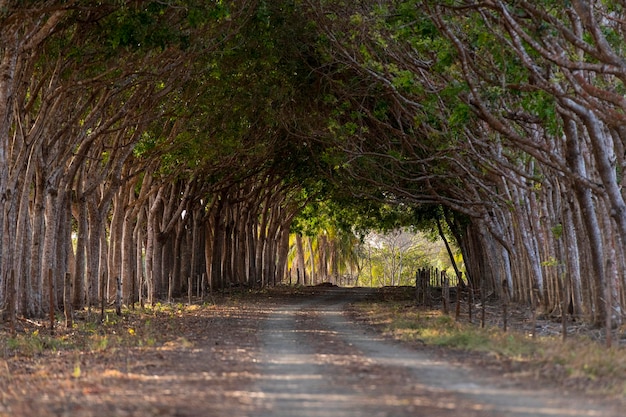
(316, 362)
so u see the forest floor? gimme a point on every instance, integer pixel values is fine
(306, 352)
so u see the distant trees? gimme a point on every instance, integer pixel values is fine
(325, 245)
(396, 256)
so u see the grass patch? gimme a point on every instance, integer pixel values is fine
(33, 343)
(585, 358)
(434, 328)
(579, 358)
(139, 328)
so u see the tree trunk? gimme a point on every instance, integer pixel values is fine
(217, 245)
(592, 226)
(128, 254)
(300, 255)
(80, 279)
(283, 253)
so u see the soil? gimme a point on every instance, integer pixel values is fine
(285, 353)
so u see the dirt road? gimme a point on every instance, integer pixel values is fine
(284, 355)
(317, 362)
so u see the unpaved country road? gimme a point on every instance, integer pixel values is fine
(315, 361)
(282, 354)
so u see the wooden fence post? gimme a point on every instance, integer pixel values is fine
(483, 306)
(202, 286)
(505, 304)
(67, 300)
(459, 287)
(533, 305)
(445, 293)
(417, 286)
(470, 302)
(11, 301)
(169, 288)
(52, 307)
(426, 278)
(189, 289)
(140, 292)
(565, 297)
(133, 290)
(103, 288)
(118, 296)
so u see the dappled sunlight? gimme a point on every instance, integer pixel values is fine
(334, 368)
(330, 397)
(188, 377)
(307, 358)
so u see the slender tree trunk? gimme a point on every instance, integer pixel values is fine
(140, 275)
(64, 250)
(217, 246)
(227, 246)
(312, 261)
(283, 252)
(300, 255)
(262, 242)
(153, 249)
(322, 258)
(93, 255)
(208, 254)
(116, 230)
(182, 252)
(23, 239)
(50, 241)
(80, 278)
(128, 253)
(588, 211)
(241, 248)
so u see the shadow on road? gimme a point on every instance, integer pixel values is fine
(316, 362)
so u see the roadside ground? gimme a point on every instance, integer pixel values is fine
(207, 359)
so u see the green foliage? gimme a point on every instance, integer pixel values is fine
(140, 328)
(236, 107)
(35, 342)
(156, 24)
(394, 257)
(557, 231)
(347, 213)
